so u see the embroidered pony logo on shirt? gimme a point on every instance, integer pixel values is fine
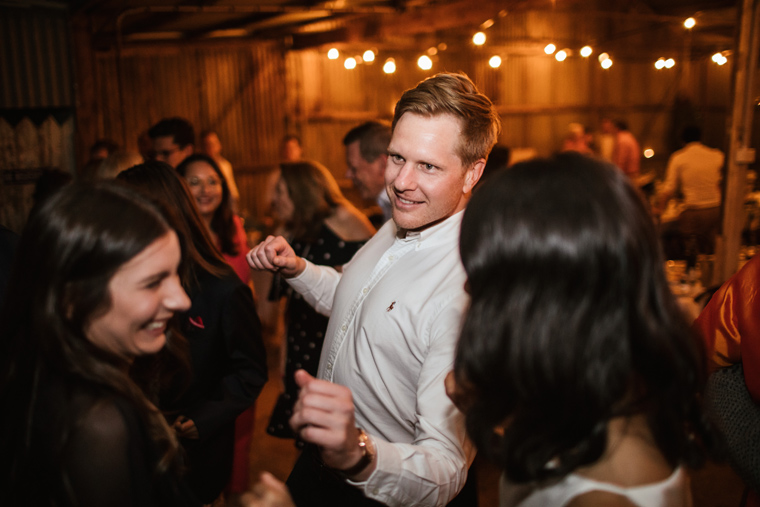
(390, 307)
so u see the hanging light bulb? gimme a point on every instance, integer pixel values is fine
(722, 60)
(479, 39)
(350, 63)
(561, 55)
(659, 64)
(690, 23)
(669, 63)
(648, 153)
(550, 48)
(603, 57)
(432, 51)
(369, 56)
(607, 63)
(333, 54)
(389, 67)
(586, 51)
(424, 62)
(495, 62)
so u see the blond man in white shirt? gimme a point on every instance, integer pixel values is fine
(395, 313)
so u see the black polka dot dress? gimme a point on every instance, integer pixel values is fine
(305, 328)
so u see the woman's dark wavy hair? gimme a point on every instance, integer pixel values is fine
(222, 222)
(70, 249)
(161, 182)
(571, 321)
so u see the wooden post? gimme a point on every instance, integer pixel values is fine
(739, 153)
(84, 89)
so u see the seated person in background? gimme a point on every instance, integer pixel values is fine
(290, 149)
(575, 368)
(227, 354)
(173, 140)
(212, 196)
(94, 288)
(324, 227)
(695, 172)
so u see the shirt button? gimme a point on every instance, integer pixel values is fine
(365, 290)
(329, 366)
(390, 257)
(343, 327)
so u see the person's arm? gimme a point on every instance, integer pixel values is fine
(97, 459)
(245, 369)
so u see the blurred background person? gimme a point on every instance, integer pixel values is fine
(366, 156)
(325, 228)
(213, 199)
(227, 354)
(291, 149)
(116, 162)
(627, 152)
(576, 369)
(95, 286)
(211, 146)
(173, 140)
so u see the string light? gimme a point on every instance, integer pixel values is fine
(550, 48)
(369, 56)
(607, 63)
(424, 62)
(603, 57)
(719, 58)
(649, 153)
(659, 64)
(495, 62)
(586, 51)
(333, 54)
(350, 63)
(690, 23)
(561, 55)
(389, 67)
(669, 63)
(432, 51)
(479, 39)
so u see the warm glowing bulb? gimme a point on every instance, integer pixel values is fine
(586, 51)
(606, 64)
(649, 153)
(424, 62)
(659, 64)
(690, 23)
(669, 63)
(389, 67)
(716, 57)
(722, 60)
(350, 63)
(561, 55)
(479, 39)
(603, 57)
(369, 56)
(432, 51)
(333, 54)
(550, 48)
(495, 61)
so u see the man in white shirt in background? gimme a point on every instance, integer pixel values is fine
(695, 171)
(383, 429)
(212, 146)
(366, 157)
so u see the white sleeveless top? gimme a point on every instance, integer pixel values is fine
(672, 492)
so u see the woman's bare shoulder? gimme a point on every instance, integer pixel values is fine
(350, 224)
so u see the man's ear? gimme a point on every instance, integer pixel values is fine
(473, 175)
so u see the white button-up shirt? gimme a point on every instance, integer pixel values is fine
(395, 316)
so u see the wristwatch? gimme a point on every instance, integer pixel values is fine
(368, 455)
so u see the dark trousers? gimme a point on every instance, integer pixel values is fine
(314, 485)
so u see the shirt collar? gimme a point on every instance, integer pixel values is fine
(437, 234)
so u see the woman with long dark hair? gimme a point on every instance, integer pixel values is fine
(212, 196)
(224, 335)
(576, 370)
(95, 286)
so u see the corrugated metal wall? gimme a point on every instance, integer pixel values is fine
(536, 95)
